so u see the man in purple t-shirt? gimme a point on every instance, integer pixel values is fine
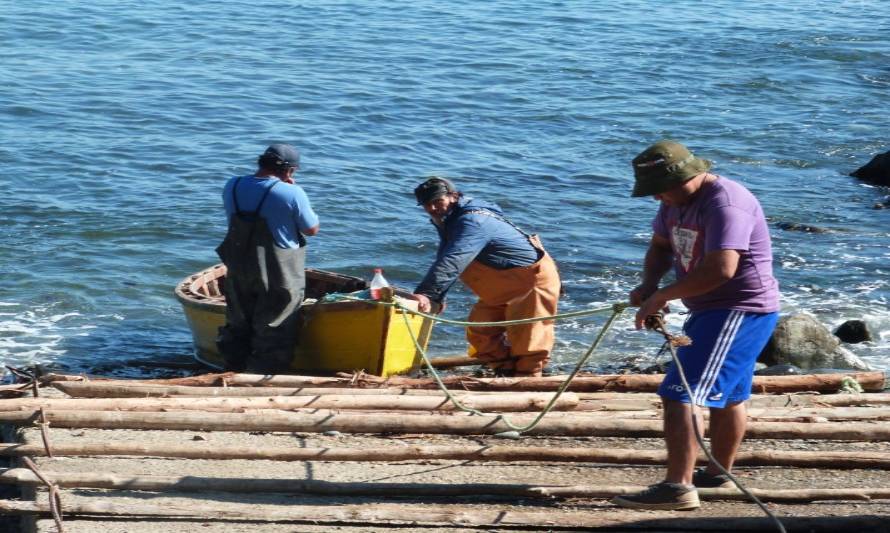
(714, 234)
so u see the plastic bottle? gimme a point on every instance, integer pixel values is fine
(378, 282)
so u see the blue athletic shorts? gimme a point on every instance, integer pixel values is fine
(719, 364)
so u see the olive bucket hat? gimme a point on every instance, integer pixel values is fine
(663, 166)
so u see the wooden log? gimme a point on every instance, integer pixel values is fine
(803, 459)
(218, 379)
(817, 414)
(454, 424)
(322, 421)
(142, 390)
(501, 402)
(453, 515)
(455, 361)
(759, 414)
(123, 388)
(623, 401)
(777, 414)
(23, 476)
(89, 480)
(415, 404)
(870, 381)
(764, 495)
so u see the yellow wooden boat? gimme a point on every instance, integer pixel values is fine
(335, 336)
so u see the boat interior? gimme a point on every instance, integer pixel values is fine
(209, 285)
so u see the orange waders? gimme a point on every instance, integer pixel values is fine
(512, 294)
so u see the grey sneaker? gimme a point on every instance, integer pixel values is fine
(662, 496)
(704, 480)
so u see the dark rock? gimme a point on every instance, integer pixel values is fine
(628, 365)
(806, 228)
(853, 331)
(876, 171)
(883, 204)
(657, 368)
(779, 370)
(828, 371)
(803, 341)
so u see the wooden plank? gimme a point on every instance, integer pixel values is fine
(501, 402)
(420, 515)
(870, 381)
(450, 423)
(89, 480)
(834, 460)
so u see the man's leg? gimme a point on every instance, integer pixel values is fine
(679, 436)
(234, 340)
(727, 428)
(276, 321)
(532, 343)
(489, 343)
(730, 385)
(676, 492)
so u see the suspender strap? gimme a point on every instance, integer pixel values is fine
(533, 240)
(495, 216)
(235, 196)
(262, 200)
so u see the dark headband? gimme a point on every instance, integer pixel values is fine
(432, 189)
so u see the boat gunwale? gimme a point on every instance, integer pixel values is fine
(187, 296)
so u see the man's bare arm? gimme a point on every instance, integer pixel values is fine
(715, 269)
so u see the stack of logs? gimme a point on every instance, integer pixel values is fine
(596, 406)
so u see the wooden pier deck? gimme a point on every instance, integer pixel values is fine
(223, 463)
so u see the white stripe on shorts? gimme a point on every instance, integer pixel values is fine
(717, 356)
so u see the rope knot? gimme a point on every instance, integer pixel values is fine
(619, 307)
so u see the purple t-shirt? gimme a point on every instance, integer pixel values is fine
(723, 215)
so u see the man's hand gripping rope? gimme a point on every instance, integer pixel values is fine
(656, 324)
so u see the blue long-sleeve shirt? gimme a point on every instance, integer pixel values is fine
(465, 236)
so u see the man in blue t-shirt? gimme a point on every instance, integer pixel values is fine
(264, 253)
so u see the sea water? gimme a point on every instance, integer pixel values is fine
(122, 120)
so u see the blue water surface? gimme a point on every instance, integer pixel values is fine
(122, 120)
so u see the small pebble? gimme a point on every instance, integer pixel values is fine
(332, 433)
(512, 435)
(199, 437)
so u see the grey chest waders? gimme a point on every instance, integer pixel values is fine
(264, 288)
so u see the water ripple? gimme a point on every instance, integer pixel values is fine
(122, 125)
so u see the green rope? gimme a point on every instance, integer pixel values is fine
(617, 309)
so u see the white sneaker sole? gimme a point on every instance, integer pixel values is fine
(687, 505)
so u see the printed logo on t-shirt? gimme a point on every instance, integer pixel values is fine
(683, 241)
